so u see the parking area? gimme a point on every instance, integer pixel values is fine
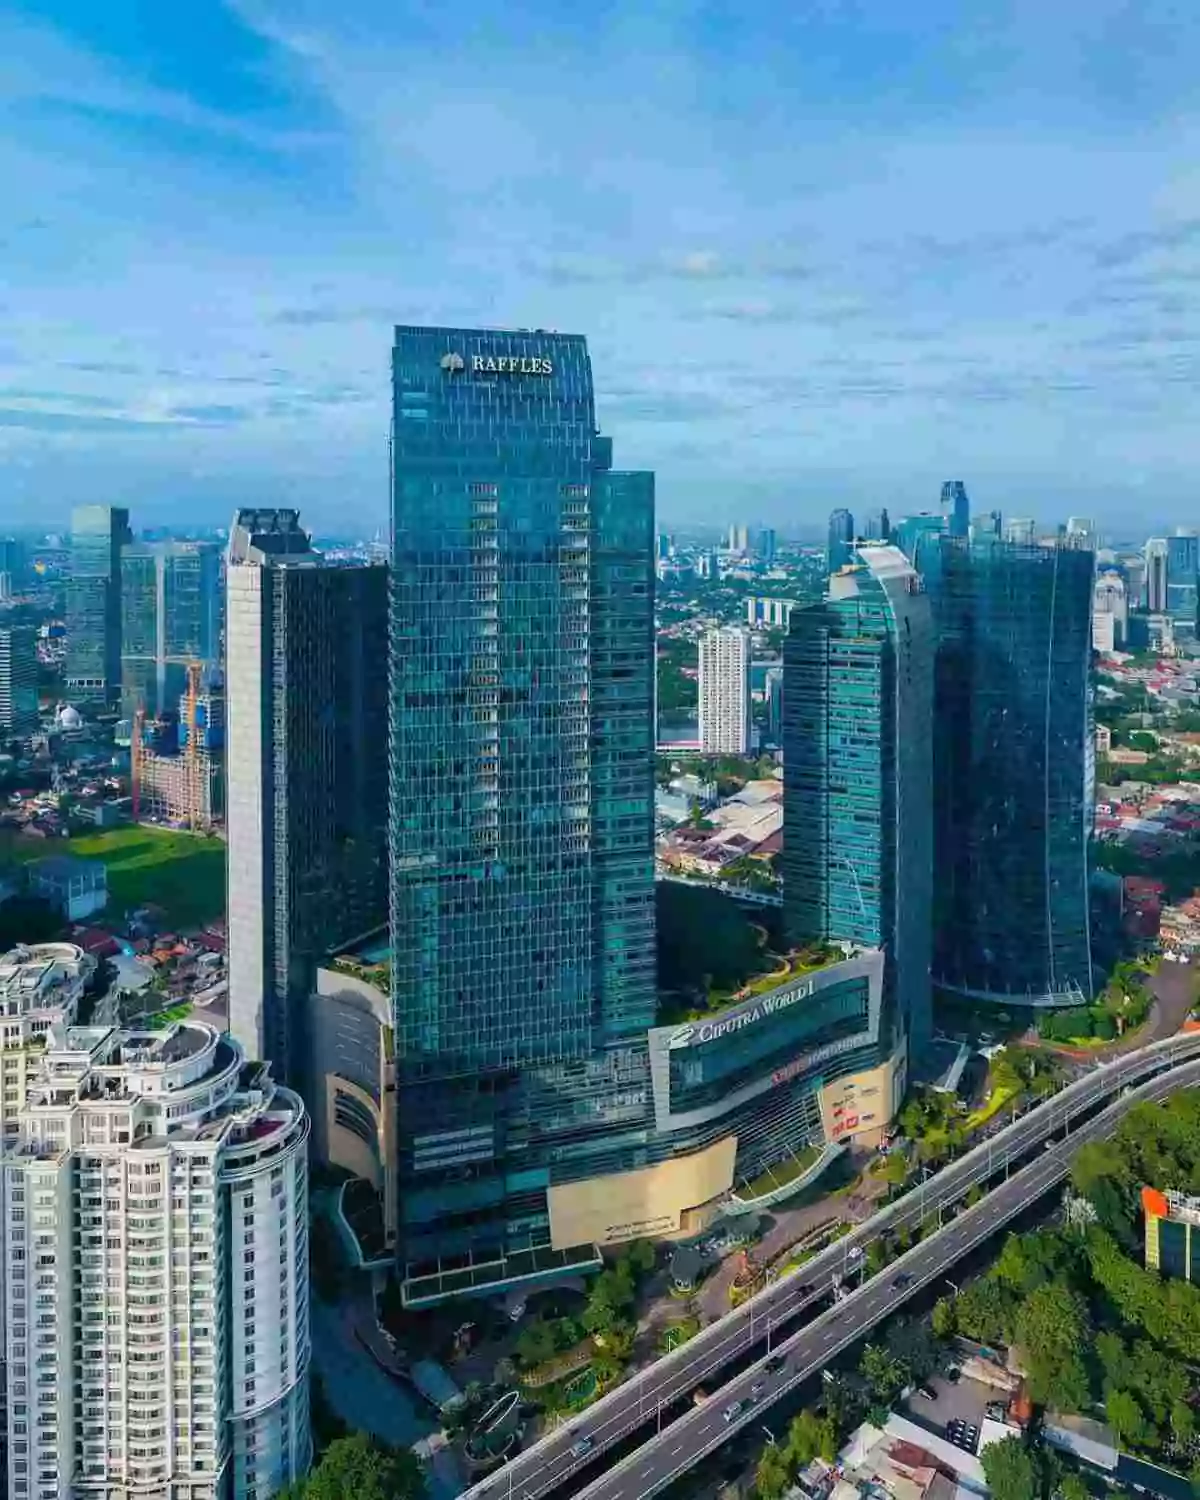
(962, 1401)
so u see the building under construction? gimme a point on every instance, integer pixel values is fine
(176, 764)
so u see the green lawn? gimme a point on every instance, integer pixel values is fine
(183, 873)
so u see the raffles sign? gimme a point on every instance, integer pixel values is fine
(497, 364)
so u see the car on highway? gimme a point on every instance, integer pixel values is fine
(902, 1280)
(584, 1445)
(805, 1289)
(734, 1410)
(775, 1364)
(758, 1388)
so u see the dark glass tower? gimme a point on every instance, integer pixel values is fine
(957, 507)
(99, 533)
(1183, 568)
(1013, 768)
(857, 729)
(521, 737)
(840, 538)
(306, 772)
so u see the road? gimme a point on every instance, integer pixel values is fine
(548, 1467)
(662, 1459)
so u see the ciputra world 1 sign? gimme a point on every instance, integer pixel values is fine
(503, 364)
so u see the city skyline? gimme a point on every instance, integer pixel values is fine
(216, 235)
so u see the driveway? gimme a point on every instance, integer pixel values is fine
(357, 1389)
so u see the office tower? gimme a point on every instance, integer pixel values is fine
(839, 541)
(1133, 568)
(1156, 551)
(1013, 767)
(915, 533)
(725, 692)
(739, 539)
(707, 565)
(1110, 611)
(1020, 530)
(857, 754)
(768, 613)
(995, 523)
(522, 861)
(99, 534)
(18, 681)
(306, 769)
(170, 617)
(957, 507)
(1183, 570)
(767, 544)
(664, 546)
(155, 1240)
(877, 527)
(13, 569)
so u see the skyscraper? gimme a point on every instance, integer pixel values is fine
(1156, 552)
(1110, 611)
(957, 507)
(877, 527)
(1183, 576)
(767, 543)
(1013, 770)
(306, 769)
(1020, 529)
(739, 538)
(840, 538)
(170, 616)
(99, 533)
(18, 681)
(725, 692)
(857, 736)
(522, 860)
(154, 1239)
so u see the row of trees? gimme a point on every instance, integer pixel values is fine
(360, 1468)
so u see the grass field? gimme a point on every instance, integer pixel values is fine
(183, 873)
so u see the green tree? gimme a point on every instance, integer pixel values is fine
(640, 1255)
(1010, 1470)
(1072, 1487)
(536, 1342)
(1125, 1416)
(359, 1468)
(810, 1436)
(1053, 1330)
(885, 1374)
(944, 1322)
(773, 1477)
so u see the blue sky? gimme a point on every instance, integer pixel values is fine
(828, 252)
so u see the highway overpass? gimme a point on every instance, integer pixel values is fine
(649, 1400)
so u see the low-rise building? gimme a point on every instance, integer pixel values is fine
(78, 887)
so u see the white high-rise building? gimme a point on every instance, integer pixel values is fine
(725, 692)
(1110, 612)
(155, 1246)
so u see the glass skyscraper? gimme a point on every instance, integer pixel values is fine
(1013, 771)
(306, 773)
(857, 729)
(1183, 573)
(957, 507)
(840, 537)
(170, 616)
(521, 745)
(99, 533)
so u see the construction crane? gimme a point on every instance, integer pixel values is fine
(194, 793)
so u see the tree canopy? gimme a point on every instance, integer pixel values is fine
(359, 1468)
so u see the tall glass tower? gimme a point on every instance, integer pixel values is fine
(957, 507)
(170, 616)
(521, 745)
(1013, 771)
(99, 533)
(839, 539)
(857, 729)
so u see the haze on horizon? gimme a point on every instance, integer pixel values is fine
(831, 253)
